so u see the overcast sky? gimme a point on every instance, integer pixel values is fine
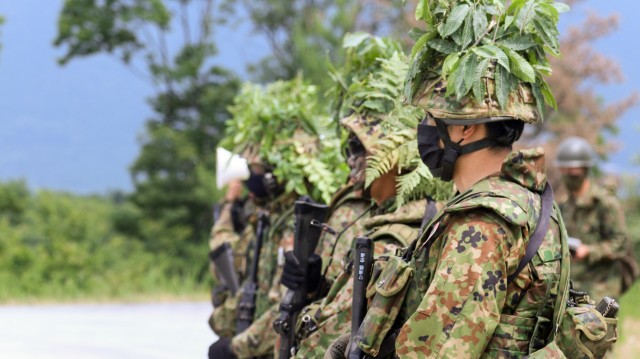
(74, 128)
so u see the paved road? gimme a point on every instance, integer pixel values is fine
(113, 331)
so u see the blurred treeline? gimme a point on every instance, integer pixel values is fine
(154, 239)
(61, 246)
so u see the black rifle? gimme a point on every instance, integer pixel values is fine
(363, 262)
(222, 258)
(309, 219)
(247, 304)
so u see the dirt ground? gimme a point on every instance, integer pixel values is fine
(629, 346)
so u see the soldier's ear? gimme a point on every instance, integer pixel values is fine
(470, 131)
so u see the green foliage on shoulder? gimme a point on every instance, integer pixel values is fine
(283, 125)
(466, 40)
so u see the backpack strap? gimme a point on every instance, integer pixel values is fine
(539, 233)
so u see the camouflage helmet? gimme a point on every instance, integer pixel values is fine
(366, 128)
(575, 152)
(521, 104)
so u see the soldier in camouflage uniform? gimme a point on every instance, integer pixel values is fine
(322, 322)
(389, 226)
(277, 198)
(452, 294)
(227, 230)
(594, 216)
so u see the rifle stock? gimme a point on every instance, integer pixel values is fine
(363, 261)
(247, 304)
(309, 217)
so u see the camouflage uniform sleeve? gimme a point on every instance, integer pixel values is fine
(222, 230)
(462, 306)
(612, 231)
(259, 339)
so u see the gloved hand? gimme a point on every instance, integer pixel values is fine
(293, 274)
(221, 350)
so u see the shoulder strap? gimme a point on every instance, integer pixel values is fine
(539, 233)
(429, 213)
(400, 232)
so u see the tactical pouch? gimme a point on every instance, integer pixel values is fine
(387, 290)
(585, 333)
(511, 337)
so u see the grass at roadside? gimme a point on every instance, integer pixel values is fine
(628, 345)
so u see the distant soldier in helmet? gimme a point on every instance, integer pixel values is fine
(595, 221)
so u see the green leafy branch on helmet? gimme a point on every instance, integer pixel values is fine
(465, 41)
(379, 96)
(283, 125)
(362, 53)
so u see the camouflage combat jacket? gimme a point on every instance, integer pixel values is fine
(259, 339)
(596, 219)
(347, 207)
(322, 322)
(459, 303)
(223, 232)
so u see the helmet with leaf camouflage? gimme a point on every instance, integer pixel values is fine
(283, 126)
(484, 61)
(383, 123)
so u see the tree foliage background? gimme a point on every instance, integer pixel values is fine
(155, 237)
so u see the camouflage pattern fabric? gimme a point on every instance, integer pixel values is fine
(347, 206)
(222, 320)
(596, 218)
(521, 104)
(459, 303)
(223, 232)
(367, 129)
(259, 338)
(585, 333)
(333, 313)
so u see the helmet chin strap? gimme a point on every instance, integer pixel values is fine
(453, 150)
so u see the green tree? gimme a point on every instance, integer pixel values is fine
(169, 44)
(303, 35)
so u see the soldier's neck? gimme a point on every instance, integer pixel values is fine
(584, 188)
(475, 166)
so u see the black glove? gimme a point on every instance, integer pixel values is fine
(221, 350)
(293, 274)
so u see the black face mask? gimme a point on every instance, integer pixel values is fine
(574, 182)
(441, 161)
(256, 185)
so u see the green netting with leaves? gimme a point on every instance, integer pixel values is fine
(283, 125)
(466, 40)
(377, 98)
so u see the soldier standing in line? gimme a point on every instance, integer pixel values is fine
(233, 226)
(469, 286)
(378, 129)
(603, 262)
(277, 129)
